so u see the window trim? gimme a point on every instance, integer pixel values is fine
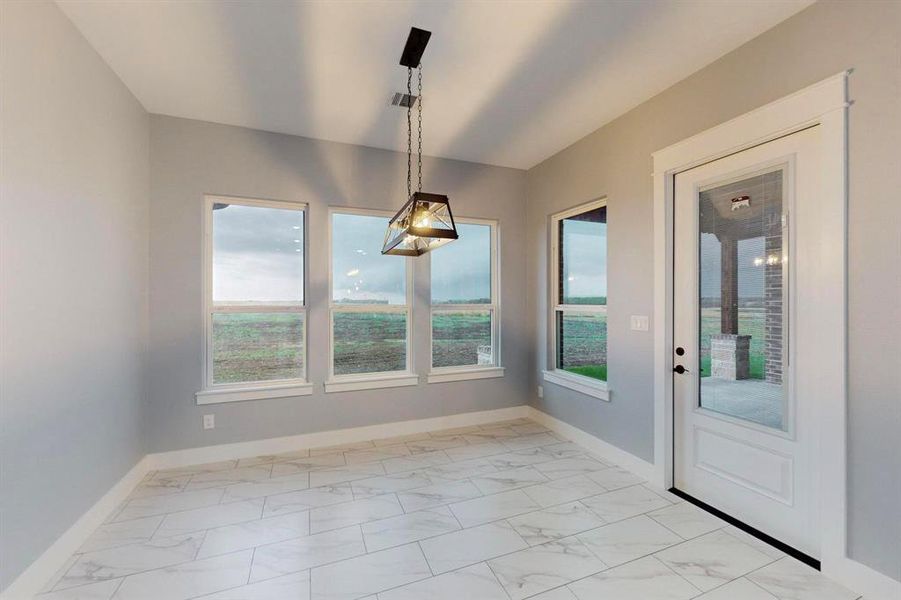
(212, 393)
(464, 372)
(580, 383)
(379, 379)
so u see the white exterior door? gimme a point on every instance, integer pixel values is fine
(747, 283)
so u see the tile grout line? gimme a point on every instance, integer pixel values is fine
(116, 591)
(758, 586)
(426, 558)
(250, 566)
(498, 580)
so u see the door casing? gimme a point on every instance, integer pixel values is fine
(824, 104)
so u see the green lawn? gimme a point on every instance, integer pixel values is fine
(755, 370)
(593, 371)
(583, 344)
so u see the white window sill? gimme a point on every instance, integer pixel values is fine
(371, 382)
(464, 374)
(216, 396)
(585, 385)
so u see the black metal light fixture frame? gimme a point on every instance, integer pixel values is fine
(425, 221)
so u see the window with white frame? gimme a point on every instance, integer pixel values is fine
(465, 323)
(255, 312)
(370, 300)
(580, 290)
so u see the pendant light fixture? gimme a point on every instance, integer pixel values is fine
(425, 221)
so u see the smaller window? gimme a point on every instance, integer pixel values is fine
(580, 290)
(255, 317)
(464, 299)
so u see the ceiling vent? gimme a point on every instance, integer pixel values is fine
(403, 100)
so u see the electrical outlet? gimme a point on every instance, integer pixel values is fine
(540, 392)
(640, 322)
(209, 421)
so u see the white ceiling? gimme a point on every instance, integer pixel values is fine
(506, 82)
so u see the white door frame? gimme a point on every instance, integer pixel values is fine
(823, 104)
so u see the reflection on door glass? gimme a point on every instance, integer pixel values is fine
(742, 299)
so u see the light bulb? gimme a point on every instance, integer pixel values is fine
(422, 218)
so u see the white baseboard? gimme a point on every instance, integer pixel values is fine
(605, 450)
(35, 577)
(206, 454)
(855, 576)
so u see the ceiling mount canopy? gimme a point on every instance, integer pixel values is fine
(425, 221)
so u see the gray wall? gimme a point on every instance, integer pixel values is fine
(73, 279)
(615, 161)
(191, 158)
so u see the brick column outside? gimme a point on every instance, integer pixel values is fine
(730, 356)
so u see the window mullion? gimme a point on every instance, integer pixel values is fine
(461, 307)
(370, 308)
(257, 308)
(583, 308)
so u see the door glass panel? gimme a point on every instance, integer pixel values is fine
(743, 288)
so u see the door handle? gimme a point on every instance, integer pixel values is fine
(680, 369)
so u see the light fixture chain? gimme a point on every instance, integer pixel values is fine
(409, 133)
(419, 153)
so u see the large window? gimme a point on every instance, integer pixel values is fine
(255, 312)
(370, 302)
(580, 291)
(464, 299)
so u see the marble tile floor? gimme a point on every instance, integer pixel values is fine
(504, 511)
